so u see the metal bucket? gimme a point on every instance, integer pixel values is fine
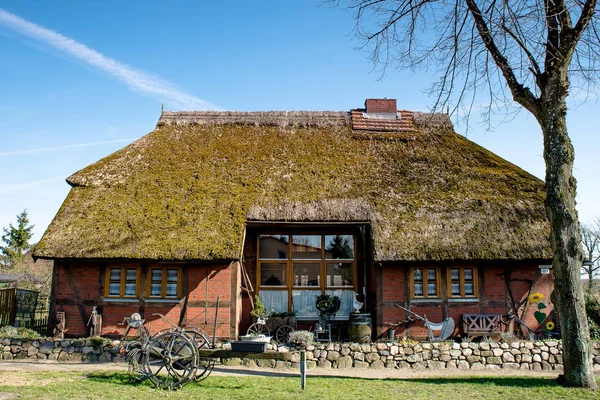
(359, 328)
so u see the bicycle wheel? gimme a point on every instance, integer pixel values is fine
(170, 360)
(282, 335)
(258, 329)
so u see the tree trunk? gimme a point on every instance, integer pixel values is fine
(568, 296)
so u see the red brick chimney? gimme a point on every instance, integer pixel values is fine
(381, 106)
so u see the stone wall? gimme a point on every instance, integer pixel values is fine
(535, 356)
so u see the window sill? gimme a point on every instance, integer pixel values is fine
(163, 300)
(121, 299)
(432, 300)
(464, 300)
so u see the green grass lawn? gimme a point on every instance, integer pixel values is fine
(111, 385)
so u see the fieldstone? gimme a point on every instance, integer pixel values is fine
(46, 348)
(65, 343)
(597, 360)
(559, 358)
(451, 365)
(504, 346)
(345, 351)
(63, 356)
(381, 346)
(71, 349)
(552, 343)
(377, 364)
(497, 352)
(231, 362)
(280, 364)
(266, 363)
(87, 350)
(535, 351)
(15, 349)
(36, 344)
(344, 362)
(537, 358)
(408, 351)
(445, 357)
(393, 350)
(507, 357)
(309, 365)
(373, 356)
(455, 353)
(546, 366)
(250, 363)
(413, 358)
(389, 364)
(494, 345)
(478, 366)
(355, 347)
(333, 355)
(515, 345)
(473, 359)
(403, 365)
(554, 350)
(88, 358)
(463, 365)
(436, 364)
(295, 357)
(551, 359)
(118, 358)
(419, 366)
(561, 369)
(365, 348)
(487, 353)
(494, 360)
(467, 352)
(473, 346)
(529, 345)
(31, 351)
(544, 348)
(426, 354)
(492, 367)
(359, 356)
(418, 348)
(7, 356)
(360, 364)
(536, 366)
(545, 355)
(455, 346)
(526, 358)
(324, 363)
(510, 365)
(6, 342)
(105, 357)
(525, 366)
(41, 356)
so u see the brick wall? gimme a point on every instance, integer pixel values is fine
(494, 296)
(80, 286)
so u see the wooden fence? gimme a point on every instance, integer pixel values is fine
(7, 306)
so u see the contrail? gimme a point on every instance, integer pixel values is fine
(136, 79)
(70, 146)
(4, 189)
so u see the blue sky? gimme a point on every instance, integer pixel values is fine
(90, 77)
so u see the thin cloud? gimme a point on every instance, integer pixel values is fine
(8, 188)
(134, 78)
(70, 146)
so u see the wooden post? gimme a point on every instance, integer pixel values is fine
(302, 369)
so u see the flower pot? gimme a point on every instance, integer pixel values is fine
(256, 339)
(248, 347)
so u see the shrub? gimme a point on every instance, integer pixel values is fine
(302, 338)
(18, 333)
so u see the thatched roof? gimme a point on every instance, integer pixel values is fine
(187, 189)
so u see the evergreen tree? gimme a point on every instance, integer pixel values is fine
(16, 241)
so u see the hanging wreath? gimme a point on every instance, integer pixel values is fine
(327, 304)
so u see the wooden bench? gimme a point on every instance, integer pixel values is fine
(482, 324)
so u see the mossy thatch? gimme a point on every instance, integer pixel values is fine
(186, 190)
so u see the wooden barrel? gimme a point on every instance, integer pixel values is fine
(359, 328)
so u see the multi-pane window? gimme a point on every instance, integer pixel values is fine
(164, 282)
(122, 282)
(462, 282)
(294, 269)
(425, 283)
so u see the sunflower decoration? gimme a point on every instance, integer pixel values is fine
(536, 297)
(549, 326)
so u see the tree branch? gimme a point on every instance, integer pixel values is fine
(521, 94)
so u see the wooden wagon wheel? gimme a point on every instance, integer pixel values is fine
(258, 329)
(205, 364)
(170, 360)
(282, 335)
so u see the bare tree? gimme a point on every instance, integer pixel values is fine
(590, 238)
(526, 51)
